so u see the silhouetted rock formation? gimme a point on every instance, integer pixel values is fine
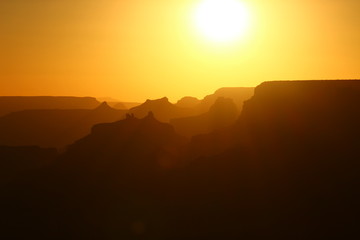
(306, 109)
(53, 128)
(222, 113)
(294, 156)
(188, 102)
(15, 104)
(162, 109)
(287, 169)
(130, 141)
(125, 163)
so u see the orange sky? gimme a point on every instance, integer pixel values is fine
(139, 49)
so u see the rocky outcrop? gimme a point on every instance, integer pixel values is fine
(144, 142)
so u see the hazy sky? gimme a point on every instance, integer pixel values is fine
(137, 49)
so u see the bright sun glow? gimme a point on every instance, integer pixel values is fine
(222, 20)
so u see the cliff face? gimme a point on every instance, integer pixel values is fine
(322, 110)
(296, 146)
(14, 104)
(291, 160)
(286, 112)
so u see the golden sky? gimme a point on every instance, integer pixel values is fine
(138, 49)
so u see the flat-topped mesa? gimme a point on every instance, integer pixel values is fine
(233, 90)
(296, 144)
(305, 95)
(310, 88)
(163, 100)
(282, 112)
(310, 109)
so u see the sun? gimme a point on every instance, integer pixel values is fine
(222, 20)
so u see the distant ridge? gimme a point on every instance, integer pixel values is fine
(10, 104)
(53, 127)
(237, 94)
(288, 168)
(162, 109)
